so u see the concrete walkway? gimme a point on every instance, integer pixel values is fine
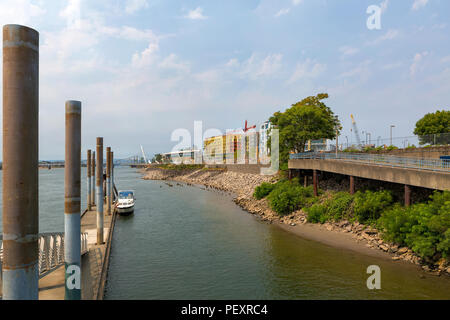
(51, 287)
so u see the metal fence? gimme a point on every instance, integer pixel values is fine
(51, 251)
(384, 160)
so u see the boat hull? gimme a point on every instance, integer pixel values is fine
(125, 211)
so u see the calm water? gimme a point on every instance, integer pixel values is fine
(189, 243)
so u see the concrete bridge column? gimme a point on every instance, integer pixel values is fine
(305, 180)
(407, 195)
(316, 183)
(352, 185)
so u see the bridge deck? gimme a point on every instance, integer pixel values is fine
(433, 179)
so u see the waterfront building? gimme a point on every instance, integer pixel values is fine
(181, 156)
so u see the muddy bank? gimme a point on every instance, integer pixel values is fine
(343, 234)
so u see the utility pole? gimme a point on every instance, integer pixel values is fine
(392, 126)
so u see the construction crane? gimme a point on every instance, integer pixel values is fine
(248, 128)
(143, 154)
(355, 128)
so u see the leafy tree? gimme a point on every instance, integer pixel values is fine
(158, 157)
(309, 119)
(434, 128)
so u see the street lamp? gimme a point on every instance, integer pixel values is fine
(392, 126)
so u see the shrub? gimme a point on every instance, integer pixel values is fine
(339, 206)
(317, 213)
(422, 227)
(287, 197)
(263, 190)
(369, 205)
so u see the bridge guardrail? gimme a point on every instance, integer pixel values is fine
(51, 251)
(383, 160)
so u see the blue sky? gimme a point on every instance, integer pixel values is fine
(143, 68)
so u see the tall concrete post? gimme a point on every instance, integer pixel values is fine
(93, 179)
(112, 174)
(89, 183)
(99, 190)
(72, 202)
(20, 162)
(108, 180)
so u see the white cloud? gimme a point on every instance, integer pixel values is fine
(146, 57)
(307, 69)
(173, 62)
(19, 11)
(296, 2)
(196, 14)
(419, 4)
(256, 67)
(361, 71)
(282, 12)
(389, 35)
(132, 6)
(415, 66)
(348, 51)
(445, 59)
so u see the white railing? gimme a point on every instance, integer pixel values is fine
(51, 251)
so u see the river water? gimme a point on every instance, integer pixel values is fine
(189, 243)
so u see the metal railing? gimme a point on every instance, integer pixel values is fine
(51, 251)
(383, 160)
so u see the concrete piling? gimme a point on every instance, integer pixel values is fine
(112, 173)
(72, 202)
(93, 179)
(99, 190)
(89, 183)
(20, 162)
(108, 180)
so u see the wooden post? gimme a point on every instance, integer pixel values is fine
(352, 185)
(316, 182)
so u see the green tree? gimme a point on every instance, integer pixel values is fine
(309, 119)
(434, 128)
(158, 157)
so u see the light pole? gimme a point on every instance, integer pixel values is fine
(392, 126)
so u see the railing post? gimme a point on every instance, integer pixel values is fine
(93, 179)
(89, 184)
(72, 203)
(99, 190)
(20, 162)
(108, 180)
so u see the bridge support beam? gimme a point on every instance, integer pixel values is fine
(108, 180)
(93, 179)
(72, 203)
(407, 195)
(315, 183)
(290, 174)
(20, 162)
(352, 185)
(99, 190)
(89, 184)
(305, 180)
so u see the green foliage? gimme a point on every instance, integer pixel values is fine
(263, 190)
(369, 205)
(288, 196)
(309, 119)
(391, 147)
(334, 209)
(158, 157)
(434, 128)
(423, 227)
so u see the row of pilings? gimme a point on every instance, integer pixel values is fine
(20, 271)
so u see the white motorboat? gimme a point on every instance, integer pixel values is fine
(125, 202)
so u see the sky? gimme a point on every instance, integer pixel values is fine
(143, 68)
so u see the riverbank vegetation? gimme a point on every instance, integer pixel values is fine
(179, 167)
(423, 227)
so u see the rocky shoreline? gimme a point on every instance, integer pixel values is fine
(242, 185)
